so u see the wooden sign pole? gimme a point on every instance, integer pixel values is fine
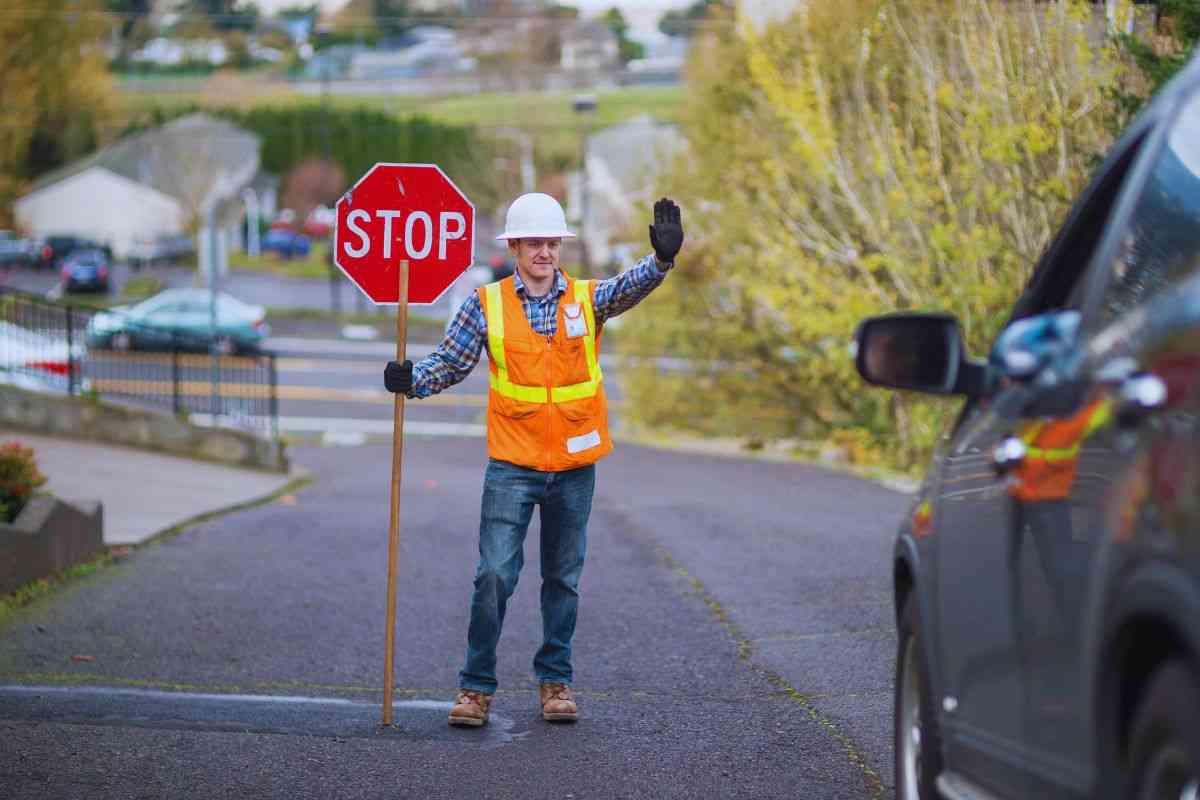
(389, 659)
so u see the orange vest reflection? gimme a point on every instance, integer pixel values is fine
(1052, 453)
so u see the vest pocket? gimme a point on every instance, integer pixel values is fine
(572, 367)
(526, 361)
(512, 408)
(578, 410)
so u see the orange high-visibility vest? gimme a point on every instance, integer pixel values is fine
(1052, 453)
(546, 405)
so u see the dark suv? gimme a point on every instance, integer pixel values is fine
(1047, 580)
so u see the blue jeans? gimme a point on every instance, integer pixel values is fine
(509, 495)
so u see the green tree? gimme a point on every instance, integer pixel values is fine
(58, 97)
(862, 157)
(131, 13)
(226, 15)
(1159, 55)
(686, 22)
(300, 11)
(629, 49)
(392, 17)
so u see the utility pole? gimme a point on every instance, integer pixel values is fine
(584, 105)
(253, 244)
(220, 193)
(335, 294)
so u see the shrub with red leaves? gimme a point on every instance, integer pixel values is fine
(19, 476)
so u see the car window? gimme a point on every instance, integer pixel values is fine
(1060, 279)
(1161, 245)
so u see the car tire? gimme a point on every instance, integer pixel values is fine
(122, 342)
(915, 733)
(1164, 750)
(226, 346)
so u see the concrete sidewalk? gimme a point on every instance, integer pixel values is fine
(143, 493)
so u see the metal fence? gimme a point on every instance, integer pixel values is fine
(55, 347)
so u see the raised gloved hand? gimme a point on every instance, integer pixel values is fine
(398, 377)
(666, 234)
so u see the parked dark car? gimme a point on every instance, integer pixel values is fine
(55, 249)
(1047, 579)
(85, 271)
(288, 244)
(14, 251)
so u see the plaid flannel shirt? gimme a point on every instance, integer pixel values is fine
(466, 335)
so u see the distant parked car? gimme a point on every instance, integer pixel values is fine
(14, 251)
(55, 249)
(180, 318)
(288, 244)
(319, 223)
(85, 271)
(165, 248)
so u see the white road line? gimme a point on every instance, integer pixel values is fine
(337, 425)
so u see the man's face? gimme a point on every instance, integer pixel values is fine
(537, 259)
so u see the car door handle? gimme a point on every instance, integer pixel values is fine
(1008, 454)
(1139, 397)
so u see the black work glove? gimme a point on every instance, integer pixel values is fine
(666, 234)
(397, 377)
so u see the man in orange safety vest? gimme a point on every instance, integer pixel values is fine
(547, 426)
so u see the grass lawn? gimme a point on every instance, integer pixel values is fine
(547, 116)
(315, 265)
(532, 110)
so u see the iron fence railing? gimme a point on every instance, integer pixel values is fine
(54, 346)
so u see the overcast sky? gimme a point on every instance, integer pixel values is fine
(640, 15)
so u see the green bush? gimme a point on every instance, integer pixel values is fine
(19, 476)
(859, 158)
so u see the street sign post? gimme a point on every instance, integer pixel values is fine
(404, 233)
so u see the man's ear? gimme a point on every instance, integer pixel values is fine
(514, 245)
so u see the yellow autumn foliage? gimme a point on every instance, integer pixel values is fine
(861, 157)
(53, 81)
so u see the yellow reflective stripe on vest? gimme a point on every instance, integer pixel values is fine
(499, 379)
(589, 388)
(1098, 417)
(1052, 454)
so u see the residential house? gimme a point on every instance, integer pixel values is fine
(161, 182)
(590, 46)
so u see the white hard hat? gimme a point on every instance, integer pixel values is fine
(535, 215)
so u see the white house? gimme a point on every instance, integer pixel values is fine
(589, 45)
(156, 183)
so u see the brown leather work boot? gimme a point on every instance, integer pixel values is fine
(470, 708)
(558, 703)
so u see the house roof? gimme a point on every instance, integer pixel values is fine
(173, 158)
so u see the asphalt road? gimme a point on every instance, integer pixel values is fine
(734, 640)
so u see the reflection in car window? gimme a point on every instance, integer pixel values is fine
(1162, 243)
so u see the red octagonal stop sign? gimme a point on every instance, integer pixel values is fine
(404, 211)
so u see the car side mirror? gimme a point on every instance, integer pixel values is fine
(918, 352)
